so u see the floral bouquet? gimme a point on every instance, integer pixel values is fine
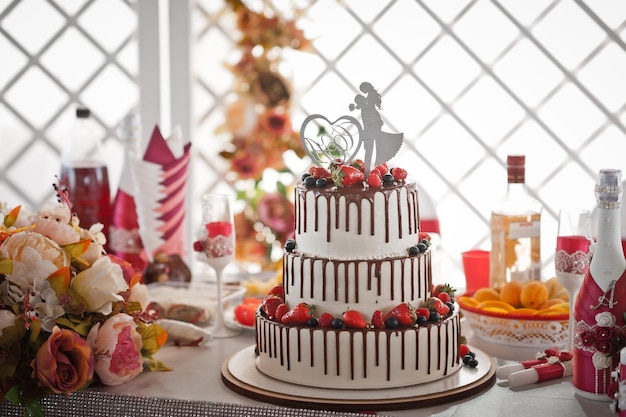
(70, 315)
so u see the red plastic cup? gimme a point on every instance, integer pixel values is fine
(476, 267)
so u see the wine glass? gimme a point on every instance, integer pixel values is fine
(573, 255)
(216, 245)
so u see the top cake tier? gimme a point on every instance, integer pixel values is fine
(356, 223)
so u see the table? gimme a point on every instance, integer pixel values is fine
(195, 388)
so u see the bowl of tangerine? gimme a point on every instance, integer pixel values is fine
(532, 314)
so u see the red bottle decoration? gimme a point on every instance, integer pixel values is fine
(124, 238)
(601, 303)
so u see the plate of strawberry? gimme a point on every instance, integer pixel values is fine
(243, 315)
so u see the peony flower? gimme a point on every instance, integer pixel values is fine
(64, 363)
(34, 258)
(100, 285)
(601, 361)
(16, 248)
(117, 346)
(605, 319)
(53, 221)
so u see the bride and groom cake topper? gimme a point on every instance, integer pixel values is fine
(343, 138)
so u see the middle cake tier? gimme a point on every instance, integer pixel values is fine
(335, 286)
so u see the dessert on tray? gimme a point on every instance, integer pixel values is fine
(357, 308)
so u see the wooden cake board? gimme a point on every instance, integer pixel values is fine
(240, 374)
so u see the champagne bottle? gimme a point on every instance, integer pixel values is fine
(600, 307)
(515, 230)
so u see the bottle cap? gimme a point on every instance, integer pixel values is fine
(516, 168)
(516, 160)
(83, 112)
(609, 189)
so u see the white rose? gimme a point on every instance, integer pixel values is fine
(605, 319)
(601, 361)
(100, 285)
(7, 319)
(139, 293)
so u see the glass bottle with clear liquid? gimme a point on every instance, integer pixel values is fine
(515, 230)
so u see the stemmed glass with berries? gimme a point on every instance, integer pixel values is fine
(216, 246)
(573, 255)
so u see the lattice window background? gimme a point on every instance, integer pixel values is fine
(466, 81)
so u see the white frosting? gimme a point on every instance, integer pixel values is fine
(335, 286)
(353, 359)
(352, 253)
(356, 224)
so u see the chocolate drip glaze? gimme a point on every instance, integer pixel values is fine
(417, 351)
(399, 274)
(403, 351)
(388, 352)
(311, 347)
(283, 354)
(356, 197)
(446, 355)
(352, 356)
(325, 334)
(337, 353)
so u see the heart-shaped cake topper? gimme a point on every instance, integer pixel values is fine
(326, 141)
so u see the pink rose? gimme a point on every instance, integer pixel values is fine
(117, 346)
(65, 362)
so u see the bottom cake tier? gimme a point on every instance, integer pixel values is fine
(359, 359)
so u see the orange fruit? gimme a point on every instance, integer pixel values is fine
(552, 312)
(496, 306)
(485, 294)
(511, 293)
(464, 300)
(551, 302)
(523, 311)
(534, 294)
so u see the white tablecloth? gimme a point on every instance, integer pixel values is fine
(195, 388)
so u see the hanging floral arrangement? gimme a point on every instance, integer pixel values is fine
(259, 122)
